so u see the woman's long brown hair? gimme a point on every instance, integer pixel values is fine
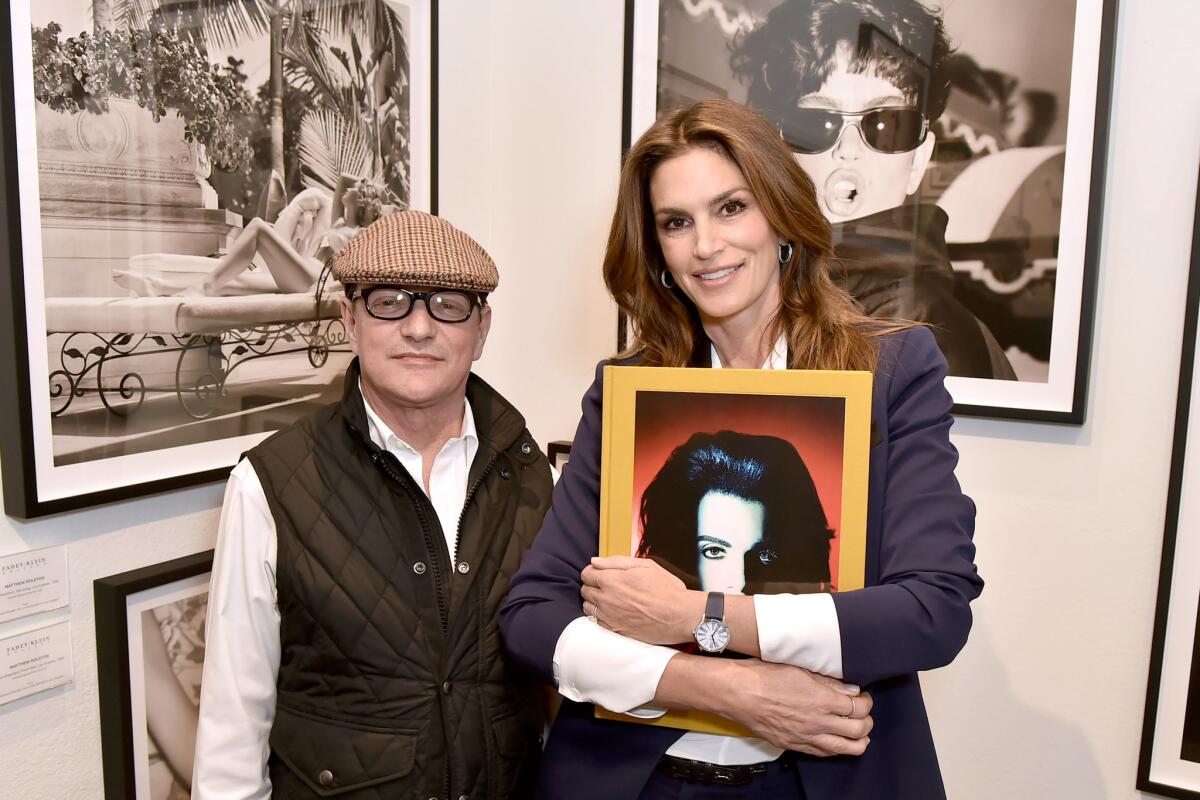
(825, 328)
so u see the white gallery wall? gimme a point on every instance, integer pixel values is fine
(1046, 700)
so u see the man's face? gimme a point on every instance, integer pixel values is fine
(417, 361)
(853, 180)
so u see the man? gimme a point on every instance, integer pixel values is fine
(364, 552)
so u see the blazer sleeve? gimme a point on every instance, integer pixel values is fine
(918, 615)
(543, 597)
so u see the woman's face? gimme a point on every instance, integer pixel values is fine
(727, 527)
(717, 244)
(852, 180)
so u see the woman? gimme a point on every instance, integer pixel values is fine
(739, 514)
(854, 86)
(720, 256)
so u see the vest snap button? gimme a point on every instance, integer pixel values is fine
(463, 568)
(463, 797)
(505, 473)
(325, 778)
(527, 448)
(419, 567)
(446, 687)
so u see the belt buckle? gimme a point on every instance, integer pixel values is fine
(728, 776)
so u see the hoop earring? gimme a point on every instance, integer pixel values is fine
(785, 252)
(666, 280)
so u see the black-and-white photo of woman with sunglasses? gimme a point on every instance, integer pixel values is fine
(897, 110)
(853, 87)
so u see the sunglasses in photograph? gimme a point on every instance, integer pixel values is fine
(892, 129)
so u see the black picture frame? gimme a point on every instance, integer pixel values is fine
(35, 483)
(1174, 680)
(118, 731)
(558, 453)
(1065, 397)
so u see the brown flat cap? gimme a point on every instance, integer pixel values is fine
(412, 248)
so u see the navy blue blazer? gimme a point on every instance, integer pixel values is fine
(914, 613)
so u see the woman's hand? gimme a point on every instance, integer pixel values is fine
(799, 710)
(638, 598)
(787, 706)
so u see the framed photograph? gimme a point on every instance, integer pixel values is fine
(176, 179)
(558, 453)
(956, 148)
(150, 659)
(738, 481)
(1170, 756)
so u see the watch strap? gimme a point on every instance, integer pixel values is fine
(715, 607)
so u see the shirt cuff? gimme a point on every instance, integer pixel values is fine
(595, 665)
(801, 630)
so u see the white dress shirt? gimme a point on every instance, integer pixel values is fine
(595, 665)
(241, 663)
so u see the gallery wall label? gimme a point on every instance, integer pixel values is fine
(32, 582)
(35, 661)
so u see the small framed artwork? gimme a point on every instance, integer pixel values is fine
(1170, 755)
(175, 182)
(150, 659)
(558, 453)
(737, 481)
(957, 150)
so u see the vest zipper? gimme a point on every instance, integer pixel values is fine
(443, 610)
(457, 540)
(462, 515)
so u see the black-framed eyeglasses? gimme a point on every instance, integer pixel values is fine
(889, 129)
(392, 303)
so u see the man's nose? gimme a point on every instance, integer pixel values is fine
(418, 325)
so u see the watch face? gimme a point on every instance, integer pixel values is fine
(712, 635)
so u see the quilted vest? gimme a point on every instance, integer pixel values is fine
(393, 680)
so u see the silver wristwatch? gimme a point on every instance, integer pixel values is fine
(712, 634)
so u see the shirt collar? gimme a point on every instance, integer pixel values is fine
(777, 359)
(384, 437)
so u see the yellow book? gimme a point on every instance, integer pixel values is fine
(741, 481)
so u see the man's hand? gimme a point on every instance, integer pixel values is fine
(799, 710)
(638, 598)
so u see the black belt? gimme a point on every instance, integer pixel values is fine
(685, 769)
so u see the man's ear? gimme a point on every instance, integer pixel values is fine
(921, 162)
(347, 306)
(485, 325)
